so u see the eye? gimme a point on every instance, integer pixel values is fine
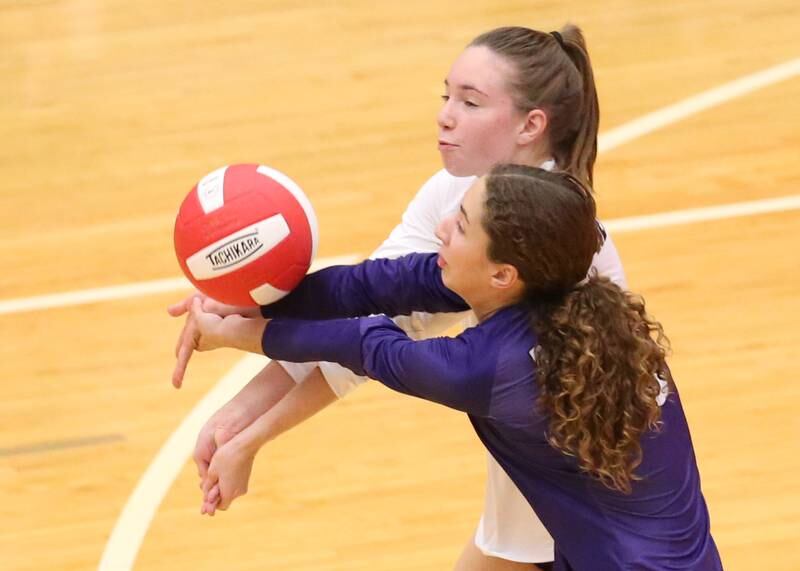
(460, 226)
(445, 97)
(470, 104)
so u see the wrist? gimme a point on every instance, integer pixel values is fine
(250, 440)
(234, 415)
(251, 446)
(224, 310)
(242, 333)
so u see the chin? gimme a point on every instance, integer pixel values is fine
(445, 281)
(448, 283)
(458, 170)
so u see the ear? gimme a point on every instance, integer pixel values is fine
(534, 127)
(504, 276)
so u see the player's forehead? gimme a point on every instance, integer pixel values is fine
(481, 70)
(472, 203)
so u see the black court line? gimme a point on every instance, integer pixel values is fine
(53, 445)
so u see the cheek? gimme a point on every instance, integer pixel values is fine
(462, 252)
(495, 142)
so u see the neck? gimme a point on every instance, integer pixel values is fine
(485, 308)
(532, 157)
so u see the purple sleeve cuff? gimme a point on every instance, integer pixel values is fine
(335, 340)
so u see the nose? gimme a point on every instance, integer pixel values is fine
(445, 229)
(445, 119)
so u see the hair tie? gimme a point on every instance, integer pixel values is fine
(559, 39)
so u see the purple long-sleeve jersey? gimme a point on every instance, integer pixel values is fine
(489, 373)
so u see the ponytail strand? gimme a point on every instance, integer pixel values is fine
(598, 359)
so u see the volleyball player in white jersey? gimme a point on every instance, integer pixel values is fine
(514, 95)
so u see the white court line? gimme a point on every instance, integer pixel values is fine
(129, 531)
(606, 142)
(695, 104)
(614, 226)
(94, 295)
(692, 215)
(123, 545)
(125, 291)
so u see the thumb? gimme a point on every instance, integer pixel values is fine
(221, 436)
(183, 306)
(197, 305)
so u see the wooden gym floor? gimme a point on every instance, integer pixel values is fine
(111, 111)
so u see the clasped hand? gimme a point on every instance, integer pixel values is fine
(224, 463)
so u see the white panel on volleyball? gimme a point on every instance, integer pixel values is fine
(238, 249)
(266, 294)
(210, 191)
(301, 197)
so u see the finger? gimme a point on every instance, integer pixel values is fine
(202, 468)
(211, 508)
(180, 369)
(210, 305)
(181, 335)
(225, 502)
(203, 452)
(208, 483)
(213, 495)
(226, 496)
(189, 331)
(221, 436)
(177, 309)
(181, 307)
(182, 361)
(202, 455)
(197, 306)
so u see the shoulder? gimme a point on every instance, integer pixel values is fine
(503, 348)
(507, 334)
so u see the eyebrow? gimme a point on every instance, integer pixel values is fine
(466, 87)
(464, 212)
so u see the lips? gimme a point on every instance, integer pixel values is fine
(446, 145)
(440, 262)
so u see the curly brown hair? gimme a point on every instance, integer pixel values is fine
(598, 359)
(598, 353)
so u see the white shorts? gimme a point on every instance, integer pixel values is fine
(509, 528)
(298, 371)
(341, 381)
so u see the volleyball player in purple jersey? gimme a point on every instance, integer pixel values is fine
(514, 95)
(563, 378)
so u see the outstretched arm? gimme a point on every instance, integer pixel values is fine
(392, 287)
(456, 372)
(229, 472)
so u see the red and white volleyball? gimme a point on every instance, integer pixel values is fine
(246, 235)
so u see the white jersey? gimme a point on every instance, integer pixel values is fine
(438, 198)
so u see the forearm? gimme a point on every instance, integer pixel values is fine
(265, 389)
(392, 287)
(302, 341)
(443, 370)
(241, 333)
(299, 404)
